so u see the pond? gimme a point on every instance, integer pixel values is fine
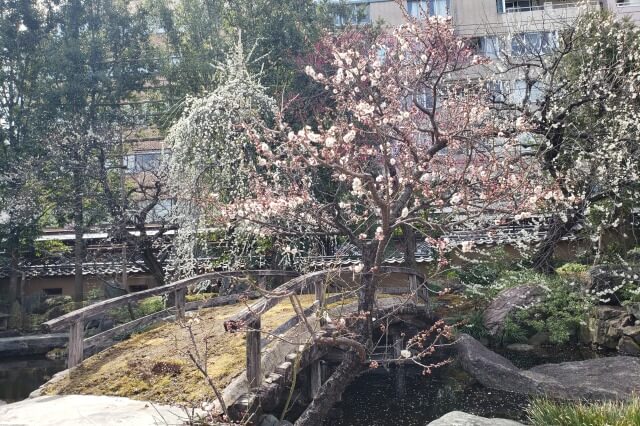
(405, 397)
(20, 377)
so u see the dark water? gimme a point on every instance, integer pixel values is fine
(405, 397)
(20, 377)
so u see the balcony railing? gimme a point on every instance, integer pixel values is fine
(628, 3)
(519, 9)
(552, 6)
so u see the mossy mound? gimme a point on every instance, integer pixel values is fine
(154, 365)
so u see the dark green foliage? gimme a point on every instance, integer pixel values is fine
(561, 313)
(473, 325)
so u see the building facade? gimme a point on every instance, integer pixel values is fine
(476, 18)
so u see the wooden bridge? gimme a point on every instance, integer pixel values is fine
(247, 320)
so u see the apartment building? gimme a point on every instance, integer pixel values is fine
(511, 27)
(485, 18)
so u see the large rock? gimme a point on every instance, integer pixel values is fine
(633, 332)
(31, 345)
(594, 379)
(506, 302)
(634, 310)
(606, 324)
(458, 418)
(88, 410)
(628, 346)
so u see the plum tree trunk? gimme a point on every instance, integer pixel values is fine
(558, 229)
(368, 278)
(331, 391)
(409, 237)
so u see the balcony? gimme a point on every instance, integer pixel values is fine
(629, 8)
(501, 17)
(519, 6)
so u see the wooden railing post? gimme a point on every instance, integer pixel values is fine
(320, 298)
(254, 362)
(316, 378)
(75, 349)
(262, 282)
(180, 302)
(413, 287)
(320, 290)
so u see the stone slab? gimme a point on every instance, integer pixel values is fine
(88, 410)
(459, 418)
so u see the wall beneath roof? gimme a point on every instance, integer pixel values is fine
(39, 284)
(387, 11)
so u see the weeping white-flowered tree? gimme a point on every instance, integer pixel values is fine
(580, 102)
(211, 155)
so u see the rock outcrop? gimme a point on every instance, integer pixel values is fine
(605, 325)
(595, 379)
(613, 327)
(459, 418)
(506, 302)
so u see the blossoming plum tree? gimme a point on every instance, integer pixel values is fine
(409, 141)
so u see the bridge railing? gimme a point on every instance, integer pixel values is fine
(75, 321)
(249, 319)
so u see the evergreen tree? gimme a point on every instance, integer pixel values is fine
(99, 65)
(25, 28)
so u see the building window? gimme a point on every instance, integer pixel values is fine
(161, 211)
(143, 161)
(508, 6)
(488, 46)
(53, 291)
(421, 8)
(534, 43)
(423, 97)
(496, 90)
(352, 14)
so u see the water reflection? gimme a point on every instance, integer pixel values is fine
(20, 377)
(377, 398)
(405, 397)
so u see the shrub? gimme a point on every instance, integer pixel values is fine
(150, 305)
(560, 314)
(473, 325)
(200, 296)
(634, 253)
(544, 412)
(572, 268)
(512, 332)
(507, 279)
